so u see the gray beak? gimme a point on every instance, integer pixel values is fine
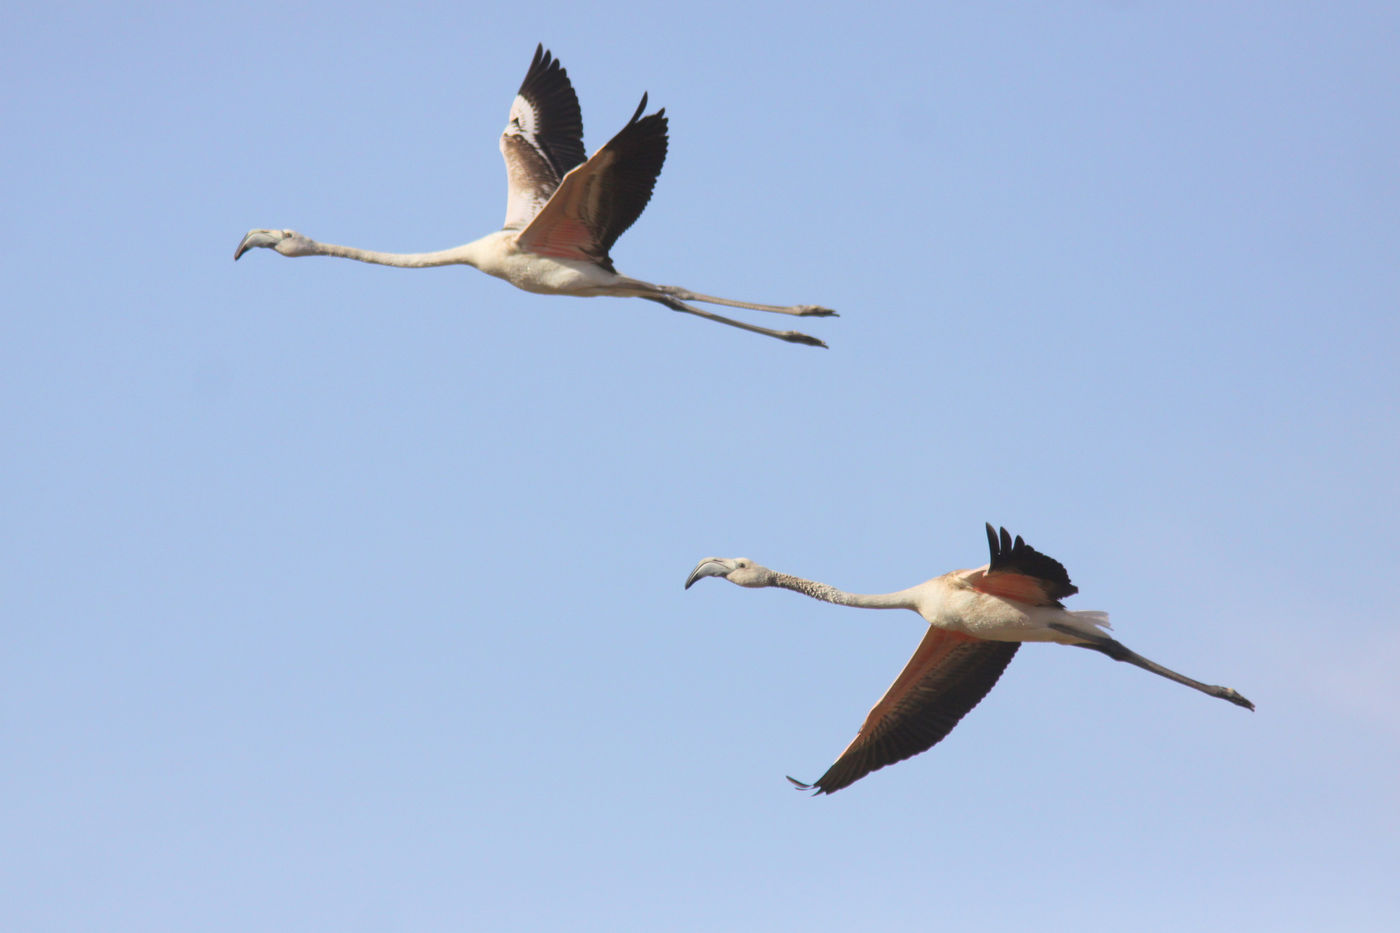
(709, 567)
(256, 238)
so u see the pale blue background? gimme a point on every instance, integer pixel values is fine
(344, 598)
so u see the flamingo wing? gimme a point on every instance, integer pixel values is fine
(1021, 573)
(543, 138)
(597, 201)
(948, 675)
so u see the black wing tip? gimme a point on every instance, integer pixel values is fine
(548, 90)
(1016, 554)
(998, 544)
(637, 117)
(1001, 545)
(543, 65)
(640, 149)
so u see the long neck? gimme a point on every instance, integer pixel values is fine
(457, 255)
(827, 593)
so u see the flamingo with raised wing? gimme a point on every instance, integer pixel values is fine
(563, 212)
(977, 620)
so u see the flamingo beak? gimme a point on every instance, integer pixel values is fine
(709, 567)
(256, 238)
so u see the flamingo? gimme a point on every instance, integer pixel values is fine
(563, 213)
(977, 619)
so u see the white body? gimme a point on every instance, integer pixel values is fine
(950, 603)
(499, 254)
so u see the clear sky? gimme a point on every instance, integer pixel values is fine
(343, 598)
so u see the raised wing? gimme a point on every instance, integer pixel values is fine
(948, 675)
(600, 199)
(1020, 572)
(542, 140)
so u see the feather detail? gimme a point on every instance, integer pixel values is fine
(947, 676)
(1019, 572)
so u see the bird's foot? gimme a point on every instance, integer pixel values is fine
(792, 336)
(813, 311)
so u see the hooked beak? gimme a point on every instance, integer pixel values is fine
(256, 238)
(709, 567)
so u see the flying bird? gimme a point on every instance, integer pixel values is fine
(563, 212)
(977, 619)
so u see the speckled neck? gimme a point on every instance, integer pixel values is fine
(830, 594)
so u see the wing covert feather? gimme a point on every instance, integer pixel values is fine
(1018, 571)
(598, 200)
(948, 675)
(543, 138)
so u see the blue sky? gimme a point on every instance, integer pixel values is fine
(337, 597)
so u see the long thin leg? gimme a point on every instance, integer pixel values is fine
(791, 336)
(682, 294)
(1120, 652)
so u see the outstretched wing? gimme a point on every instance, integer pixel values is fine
(1019, 572)
(948, 675)
(542, 140)
(600, 199)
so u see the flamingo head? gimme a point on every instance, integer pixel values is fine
(286, 242)
(738, 570)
